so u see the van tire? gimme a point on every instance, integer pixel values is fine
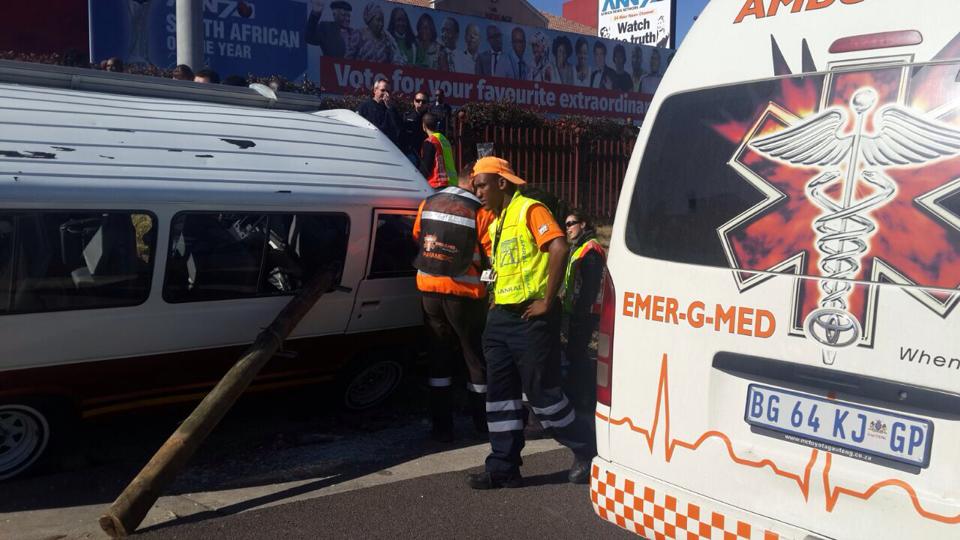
(370, 379)
(26, 430)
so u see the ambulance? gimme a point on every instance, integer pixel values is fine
(779, 351)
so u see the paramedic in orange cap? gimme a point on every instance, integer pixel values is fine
(451, 228)
(521, 342)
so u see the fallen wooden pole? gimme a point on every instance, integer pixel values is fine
(127, 512)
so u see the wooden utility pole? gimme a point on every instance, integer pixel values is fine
(127, 512)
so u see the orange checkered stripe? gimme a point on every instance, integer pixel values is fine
(658, 516)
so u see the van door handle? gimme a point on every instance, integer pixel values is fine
(370, 303)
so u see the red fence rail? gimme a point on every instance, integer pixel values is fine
(586, 173)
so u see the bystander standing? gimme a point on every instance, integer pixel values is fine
(206, 76)
(380, 111)
(182, 73)
(113, 64)
(412, 134)
(442, 111)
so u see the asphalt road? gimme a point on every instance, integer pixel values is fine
(292, 465)
(434, 506)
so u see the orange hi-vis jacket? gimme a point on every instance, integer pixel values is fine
(467, 284)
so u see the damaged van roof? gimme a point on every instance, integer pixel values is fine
(151, 148)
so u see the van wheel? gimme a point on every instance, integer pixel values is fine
(24, 435)
(370, 383)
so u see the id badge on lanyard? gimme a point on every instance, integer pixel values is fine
(490, 275)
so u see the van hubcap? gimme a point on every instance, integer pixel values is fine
(23, 437)
(373, 384)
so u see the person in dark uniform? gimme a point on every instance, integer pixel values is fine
(582, 287)
(412, 134)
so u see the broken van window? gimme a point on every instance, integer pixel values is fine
(219, 256)
(52, 261)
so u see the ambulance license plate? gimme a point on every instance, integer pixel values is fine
(842, 428)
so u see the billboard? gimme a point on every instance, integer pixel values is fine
(642, 22)
(264, 37)
(347, 44)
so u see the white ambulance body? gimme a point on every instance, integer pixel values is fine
(780, 348)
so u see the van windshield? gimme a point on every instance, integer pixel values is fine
(851, 174)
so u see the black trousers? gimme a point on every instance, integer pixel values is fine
(523, 357)
(455, 324)
(581, 383)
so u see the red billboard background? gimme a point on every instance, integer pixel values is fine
(344, 76)
(50, 26)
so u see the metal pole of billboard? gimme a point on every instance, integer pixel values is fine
(673, 24)
(190, 33)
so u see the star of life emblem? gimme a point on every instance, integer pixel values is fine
(858, 173)
(902, 138)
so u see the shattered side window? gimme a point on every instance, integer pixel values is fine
(394, 248)
(54, 261)
(220, 256)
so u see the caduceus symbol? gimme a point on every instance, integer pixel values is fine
(901, 138)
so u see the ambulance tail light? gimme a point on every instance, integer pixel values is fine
(880, 40)
(608, 313)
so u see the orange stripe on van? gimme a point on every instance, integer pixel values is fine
(670, 445)
(803, 481)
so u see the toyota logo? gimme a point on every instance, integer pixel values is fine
(833, 327)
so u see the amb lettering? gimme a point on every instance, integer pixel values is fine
(740, 320)
(768, 8)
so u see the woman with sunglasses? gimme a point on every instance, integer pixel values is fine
(582, 289)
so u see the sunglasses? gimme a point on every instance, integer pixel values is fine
(572, 223)
(419, 100)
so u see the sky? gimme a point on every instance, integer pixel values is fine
(686, 11)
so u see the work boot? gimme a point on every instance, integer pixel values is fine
(580, 470)
(486, 480)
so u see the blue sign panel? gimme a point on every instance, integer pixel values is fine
(264, 37)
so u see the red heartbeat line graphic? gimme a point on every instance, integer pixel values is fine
(832, 495)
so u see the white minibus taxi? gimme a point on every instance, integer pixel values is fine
(144, 242)
(780, 345)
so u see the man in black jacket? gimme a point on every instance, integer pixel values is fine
(380, 111)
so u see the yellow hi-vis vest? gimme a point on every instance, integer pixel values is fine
(521, 268)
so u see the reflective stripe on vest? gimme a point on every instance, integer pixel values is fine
(520, 266)
(444, 167)
(569, 279)
(449, 218)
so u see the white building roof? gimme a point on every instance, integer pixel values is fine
(145, 148)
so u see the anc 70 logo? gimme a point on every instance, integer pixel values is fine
(612, 5)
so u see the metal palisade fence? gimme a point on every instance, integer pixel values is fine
(585, 172)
